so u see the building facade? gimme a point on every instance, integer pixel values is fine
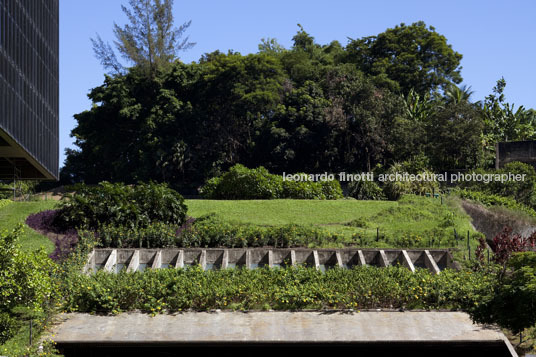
(29, 89)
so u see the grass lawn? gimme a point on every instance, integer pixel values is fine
(411, 214)
(277, 212)
(16, 212)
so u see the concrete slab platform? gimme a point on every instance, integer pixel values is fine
(274, 327)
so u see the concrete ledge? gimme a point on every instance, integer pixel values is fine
(278, 327)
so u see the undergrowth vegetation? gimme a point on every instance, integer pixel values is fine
(241, 183)
(162, 290)
(121, 205)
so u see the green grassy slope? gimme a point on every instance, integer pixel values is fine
(16, 213)
(276, 212)
(411, 214)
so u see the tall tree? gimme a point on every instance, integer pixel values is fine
(455, 94)
(149, 41)
(407, 57)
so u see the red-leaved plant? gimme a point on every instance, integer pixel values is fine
(506, 243)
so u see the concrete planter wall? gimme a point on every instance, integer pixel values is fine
(113, 260)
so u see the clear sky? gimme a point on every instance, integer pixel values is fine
(496, 38)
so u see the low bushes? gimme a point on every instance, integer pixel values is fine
(394, 189)
(511, 304)
(365, 190)
(523, 191)
(241, 183)
(26, 283)
(211, 231)
(156, 291)
(4, 202)
(155, 235)
(121, 205)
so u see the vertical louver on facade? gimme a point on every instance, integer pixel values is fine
(29, 78)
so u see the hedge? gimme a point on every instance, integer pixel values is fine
(290, 288)
(241, 183)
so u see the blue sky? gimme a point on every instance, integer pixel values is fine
(496, 38)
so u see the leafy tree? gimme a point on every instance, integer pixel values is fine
(503, 122)
(407, 57)
(454, 140)
(270, 45)
(455, 94)
(149, 41)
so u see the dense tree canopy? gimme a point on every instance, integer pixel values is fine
(408, 57)
(310, 108)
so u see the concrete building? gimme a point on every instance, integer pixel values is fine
(523, 151)
(29, 95)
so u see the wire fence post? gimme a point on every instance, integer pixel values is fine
(31, 331)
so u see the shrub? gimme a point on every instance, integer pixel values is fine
(154, 235)
(331, 189)
(511, 304)
(302, 190)
(210, 231)
(121, 205)
(241, 183)
(290, 288)
(365, 190)
(522, 191)
(4, 202)
(25, 281)
(506, 243)
(395, 189)
(23, 187)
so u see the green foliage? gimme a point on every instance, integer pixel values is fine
(495, 200)
(394, 189)
(522, 191)
(121, 205)
(331, 190)
(454, 133)
(511, 305)
(503, 122)
(162, 290)
(241, 183)
(21, 188)
(408, 57)
(211, 231)
(365, 190)
(25, 282)
(154, 235)
(4, 202)
(150, 41)
(411, 222)
(303, 190)
(304, 109)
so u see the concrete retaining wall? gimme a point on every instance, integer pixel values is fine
(114, 260)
